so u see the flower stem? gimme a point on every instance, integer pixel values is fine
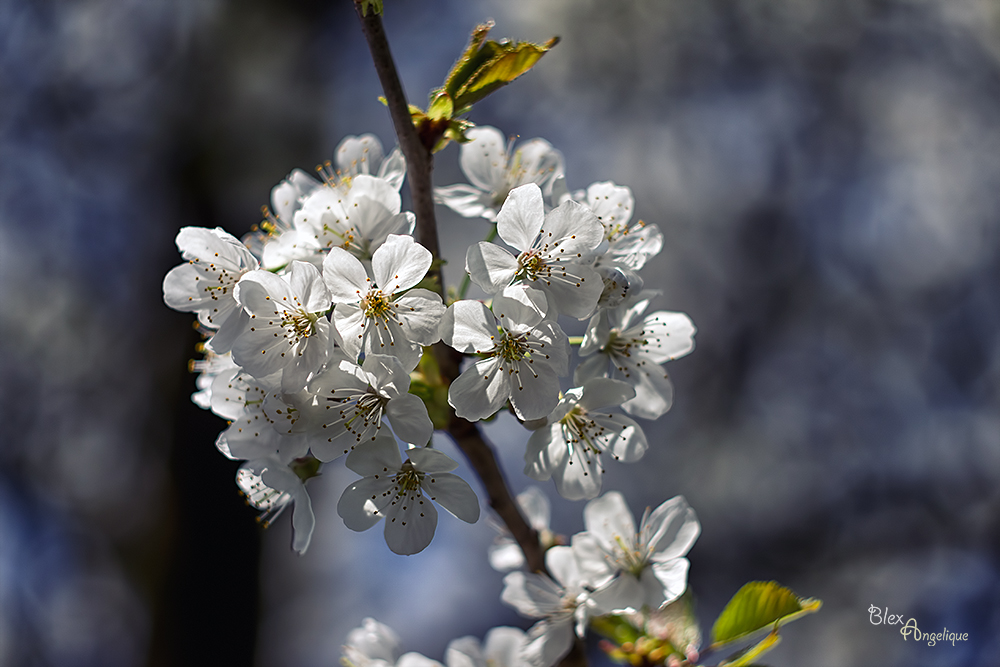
(419, 165)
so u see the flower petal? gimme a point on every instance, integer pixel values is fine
(521, 216)
(408, 416)
(410, 522)
(399, 263)
(452, 493)
(360, 504)
(480, 391)
(345, 276)
(490, 267)
(377, 457)
(468, 326)
(609, 519)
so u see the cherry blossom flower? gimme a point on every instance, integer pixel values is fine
(564, 602)
(524, 355)
(649, 560)
(204, 285)
(352, 400)
(358, 220)
(501, 647)
(552, 248)
(624, 345)
(629, 245)
(275, 241)
(364, 155)
(368, 316)
(288, 329)
(271, 485)
(494, 169)
(264, 421)
(395, 490)
(569, 449)
(374, 644)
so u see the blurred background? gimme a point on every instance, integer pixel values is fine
(827, 179)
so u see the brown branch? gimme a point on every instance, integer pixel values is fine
(419, 165)
(419, 161)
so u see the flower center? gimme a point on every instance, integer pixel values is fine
(577, 427)
(512, 347)
(300, 324)
(408, 479)
(376, 305)
(530, 265)
(620, 345)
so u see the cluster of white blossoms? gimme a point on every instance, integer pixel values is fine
(319, 319)
(610, 568)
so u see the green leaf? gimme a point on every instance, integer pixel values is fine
(441, 106)
(375, 5)
(505, 62)
(745, 657)
(471, 60)
(755, 607)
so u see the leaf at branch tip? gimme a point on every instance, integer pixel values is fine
(757, 606)
(441, 106)
(376, 6)
(488, 65)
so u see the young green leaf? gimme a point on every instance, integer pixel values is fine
(757, 606)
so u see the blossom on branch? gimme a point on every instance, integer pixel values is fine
(523, 355)
(569, 449)
(369, 316)
(494, 169)
(401, 492)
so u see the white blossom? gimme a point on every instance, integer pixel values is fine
(502, 647)
(352, 400)
(552, 247)
(564, 602)
(357, 219)
(275, 241)
(650, 560)
(494, 169)
(363, 155)
(271, 485)
(204, 285)
(569, 449)
(377, 645)
(624, 345)
(524, 355)
(369, 316)
(288, 330)
(402, 491)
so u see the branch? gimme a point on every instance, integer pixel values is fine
(419, 161)
(419, 165)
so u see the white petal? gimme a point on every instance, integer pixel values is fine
(466, 200)
(669, 336)
(548, 642)
(491, 267)
(502, 646)
(452, 493)
(654, 393)
(431, 460)
(580, 478)
(673, 528)
(672, 575)
(378, 457)
(519, 308)
(561, 563)
(480, 391)
(358, 155)
(408, 416)
(399, 263)
(625, 439)
(410, 522)
(359, 506)
(534, 389)
(345, 276)
(533, 595)
(576, 294)
(535, 505)
(303, 522)
(349, 326)
(506, 556)
(601, 392)
(611, 203)
(609, 519)
(484, 160)
(464, 652)
(420, 312)
(573, 228)
(521, 216)
(414, 659)
(468, 326)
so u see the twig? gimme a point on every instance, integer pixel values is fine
(419, 165)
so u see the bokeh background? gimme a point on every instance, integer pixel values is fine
(826, 175)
